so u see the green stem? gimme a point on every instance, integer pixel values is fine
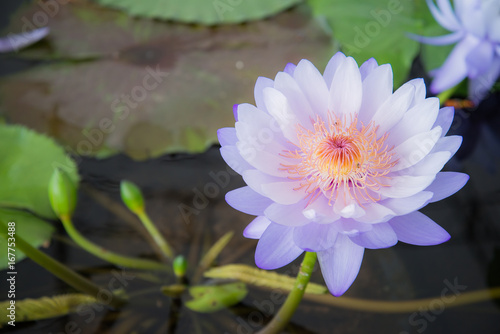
(445, 95)
(106, 255)
(292, 301)
(157, 237)
(58, 269)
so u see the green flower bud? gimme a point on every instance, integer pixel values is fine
(132, 197)
(62, 194)
(180, 266)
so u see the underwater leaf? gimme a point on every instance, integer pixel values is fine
(202, 11)
(27, 163)
(45, 307)
(259, 277)
(215, 250)
(33, 230)
(146, 87)
(212, 298)
(373, 28)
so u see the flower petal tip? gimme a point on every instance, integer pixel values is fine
(235, 112)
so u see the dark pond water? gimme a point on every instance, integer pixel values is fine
(470, 261)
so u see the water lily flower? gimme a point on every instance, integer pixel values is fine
(475, 25)
(14, 42)
(337, 163)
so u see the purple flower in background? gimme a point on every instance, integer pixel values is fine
(14, 42)
(475, 25)
(337, 163)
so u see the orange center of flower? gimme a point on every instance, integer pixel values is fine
(337, 158)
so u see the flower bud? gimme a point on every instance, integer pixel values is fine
(62, 194)
(132, 197)
(180, 266)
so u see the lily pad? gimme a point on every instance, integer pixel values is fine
(28, 160)
(374, 28)
(33, 230)
(212, 298)
(149, 87)
(202, 11)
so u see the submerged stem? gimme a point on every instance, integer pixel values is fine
(63, 272)
(287, 310)
(407, 306)
(100, 252)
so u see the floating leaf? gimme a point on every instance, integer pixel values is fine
(202, 11)
(373, 28)
(147, 88)
(28, 161)
(212, 298)
(259, 277)
(215, 250)
(45, 307)
(33, 230)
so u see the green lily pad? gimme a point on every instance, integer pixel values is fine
(374, 28)
(150, 87)
(28, 160)
(202, 11)
(33, 230)
(212, 298)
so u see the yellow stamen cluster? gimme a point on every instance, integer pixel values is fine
(341, 157)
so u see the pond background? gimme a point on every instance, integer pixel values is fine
(471, 257)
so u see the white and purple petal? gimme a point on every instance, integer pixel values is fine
(454, 69)
(288, 215)
(346, 91)
(276, 248)
(256, 228)
(248, 201)
(15, 42)
(315, 237)
(340, 264)
(446, 184)
(418, 229)
(380, 236)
